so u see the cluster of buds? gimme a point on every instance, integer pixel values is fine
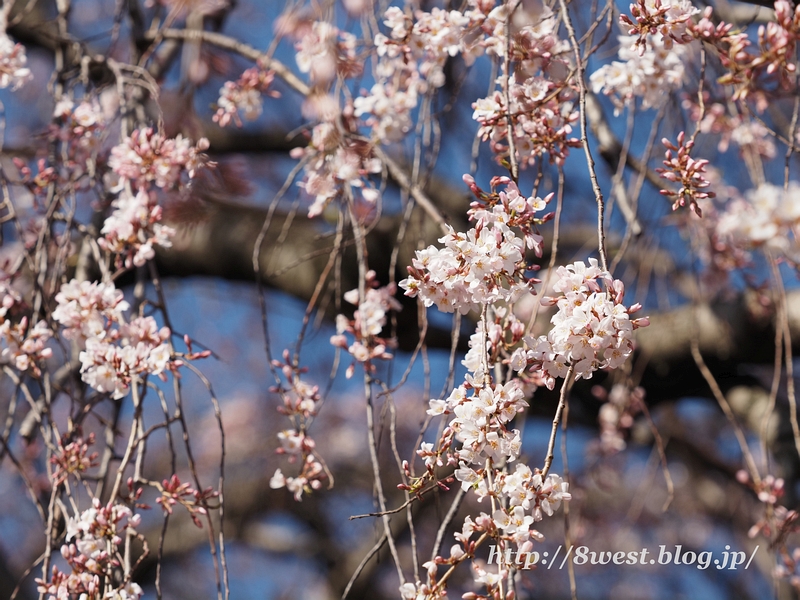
(776, 525)
(195, 502)
(39, 183)
(367, 324)
(669, 18)
(244, 97)
(682, 169)
(774, 57)
(73, 458)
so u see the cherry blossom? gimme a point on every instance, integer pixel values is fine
(110, 368)
(669, 18)
(591, 329)
(542, 113)
(765, 218)
(26, 346)
(300, 405)
(325, 52)
(337, 162)
(87, 309)
(80, 128)
(367, 324)
(486, 264)
(114, 351)
(13, 72)
(646, 74)
(244, 97)
(92, 550)
(149, 157)
(134, 228)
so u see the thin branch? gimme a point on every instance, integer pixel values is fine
(228, 43)
(598, 194)
(562, 401)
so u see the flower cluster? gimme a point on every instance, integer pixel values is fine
(79, 129)
(138, 349)
(669, 18)
(337, 160)
(616, 415)
(300, 398)
(541, 116)
(486, 264)
(482, 412)
(92, 551)
(310, 478)
(766, 217)
(134, 228)
(300, 404)
(774, 56)
(535, 44)
(411, 61)
(430, 38)
(649, 74)
(244, 97)
(13, 72)
(148, 157)
(689, 173)
(541, 103)
(25, 346)
(114, 351)
(324, 52)
(87, 309)
(367, 323)
(592, 329)
(387, 108)
(490, 342)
